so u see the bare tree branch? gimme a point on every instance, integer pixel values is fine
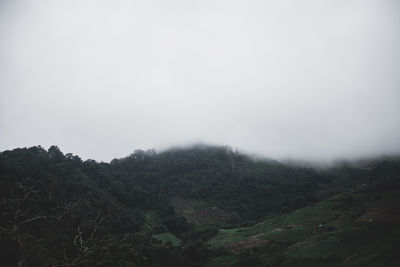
(33, 219)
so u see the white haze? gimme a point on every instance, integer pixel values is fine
(313, 80)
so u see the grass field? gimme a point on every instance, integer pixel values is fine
(360, 227)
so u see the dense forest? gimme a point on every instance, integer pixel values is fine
(196, 206)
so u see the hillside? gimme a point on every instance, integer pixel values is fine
(194, 206)
(360, 227)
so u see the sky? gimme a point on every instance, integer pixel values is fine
(313, 79)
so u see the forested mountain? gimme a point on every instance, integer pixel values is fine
(184, 207)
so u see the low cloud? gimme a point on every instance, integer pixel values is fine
(309, 80)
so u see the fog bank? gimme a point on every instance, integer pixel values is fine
(314, 80)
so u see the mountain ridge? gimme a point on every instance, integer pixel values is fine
(155, 207)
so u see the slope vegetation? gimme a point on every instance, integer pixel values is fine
(194, 206)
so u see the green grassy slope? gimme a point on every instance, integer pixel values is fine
(360, 227)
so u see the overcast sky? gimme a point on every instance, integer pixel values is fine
(301, 79)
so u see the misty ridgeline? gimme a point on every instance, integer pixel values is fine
(301, 82)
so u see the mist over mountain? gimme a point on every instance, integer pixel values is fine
(199, 133)
(315, 80)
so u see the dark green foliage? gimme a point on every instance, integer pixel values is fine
(220, 175)
(161, 209)
(9, 249)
